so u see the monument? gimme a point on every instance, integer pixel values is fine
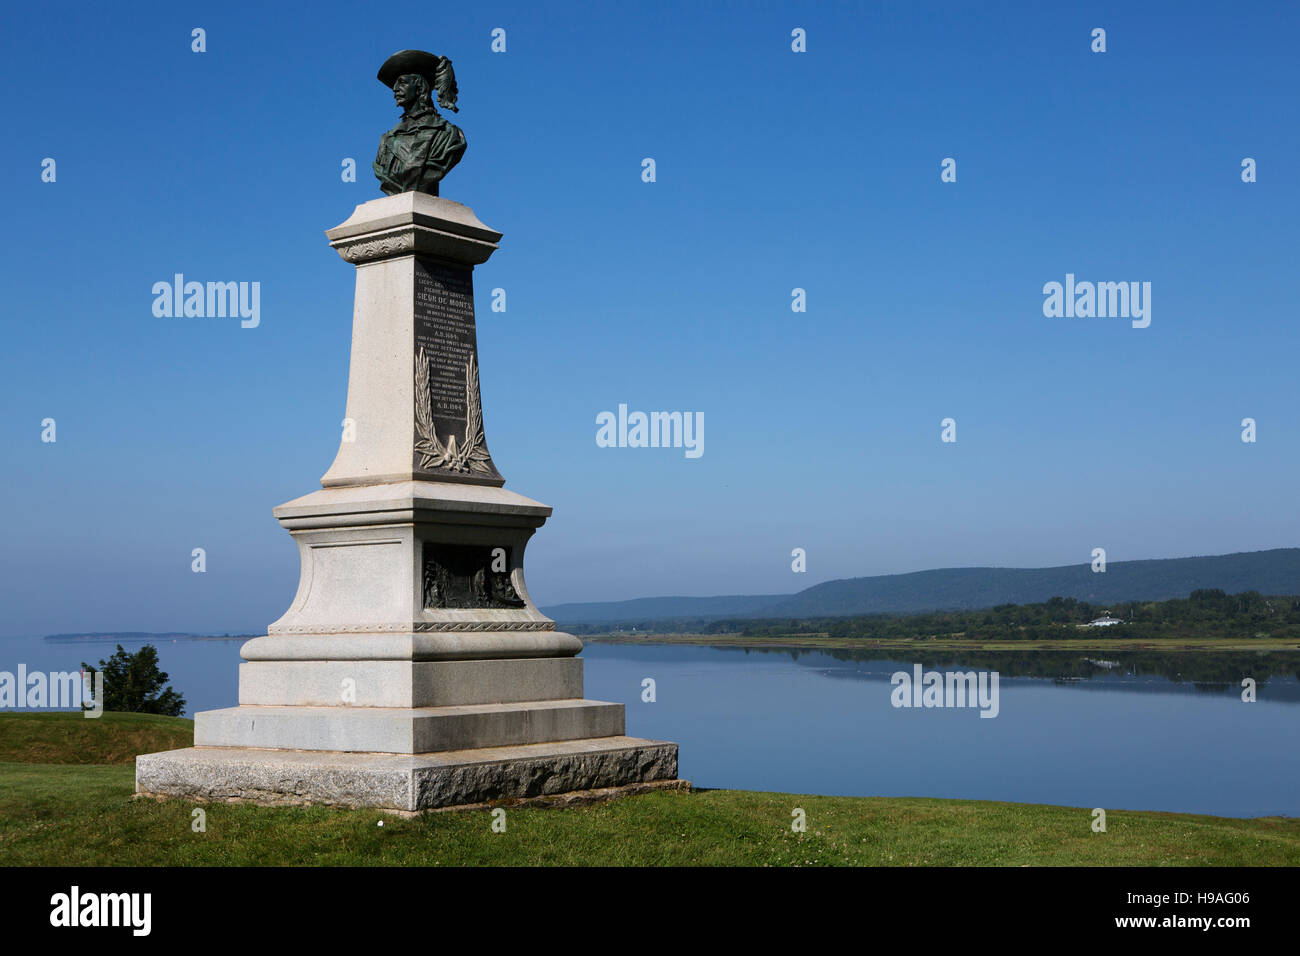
(412, 670)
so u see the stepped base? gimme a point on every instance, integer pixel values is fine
(407, 683)
(407, 783)
(399, 730)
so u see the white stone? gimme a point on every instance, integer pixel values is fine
(361, 695)
(415, 730)
(406, 783)
(381, 397)
(407, 683)
(361, 554)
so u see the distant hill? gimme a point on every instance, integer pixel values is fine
(660, 608)
(135, 636)
(952, 589)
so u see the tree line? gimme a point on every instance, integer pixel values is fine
(1205, 613)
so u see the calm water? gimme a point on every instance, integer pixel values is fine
(1158, 732)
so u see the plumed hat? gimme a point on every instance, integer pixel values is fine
(436, 71)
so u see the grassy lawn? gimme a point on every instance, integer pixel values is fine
(68, 737)
(79, 814)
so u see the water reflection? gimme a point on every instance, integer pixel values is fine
(1211, 672)
(1123, 730)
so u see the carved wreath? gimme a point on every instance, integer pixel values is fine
(472, 454)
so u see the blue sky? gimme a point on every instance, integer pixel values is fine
(775, 170)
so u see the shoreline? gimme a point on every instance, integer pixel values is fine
(821, 642)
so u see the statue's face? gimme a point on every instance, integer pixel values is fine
(406, 91)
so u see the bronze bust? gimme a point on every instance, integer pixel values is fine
(423, 147)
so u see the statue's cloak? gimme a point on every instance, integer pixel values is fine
(416, 153)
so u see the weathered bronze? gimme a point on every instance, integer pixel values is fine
(423, 147)
(468, 576)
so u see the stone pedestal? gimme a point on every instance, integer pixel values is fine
(412, 670)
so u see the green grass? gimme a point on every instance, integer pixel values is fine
(68, 737)
(84, 815)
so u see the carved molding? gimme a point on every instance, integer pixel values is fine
(393, 244)
(440, 243)
(417, 627)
